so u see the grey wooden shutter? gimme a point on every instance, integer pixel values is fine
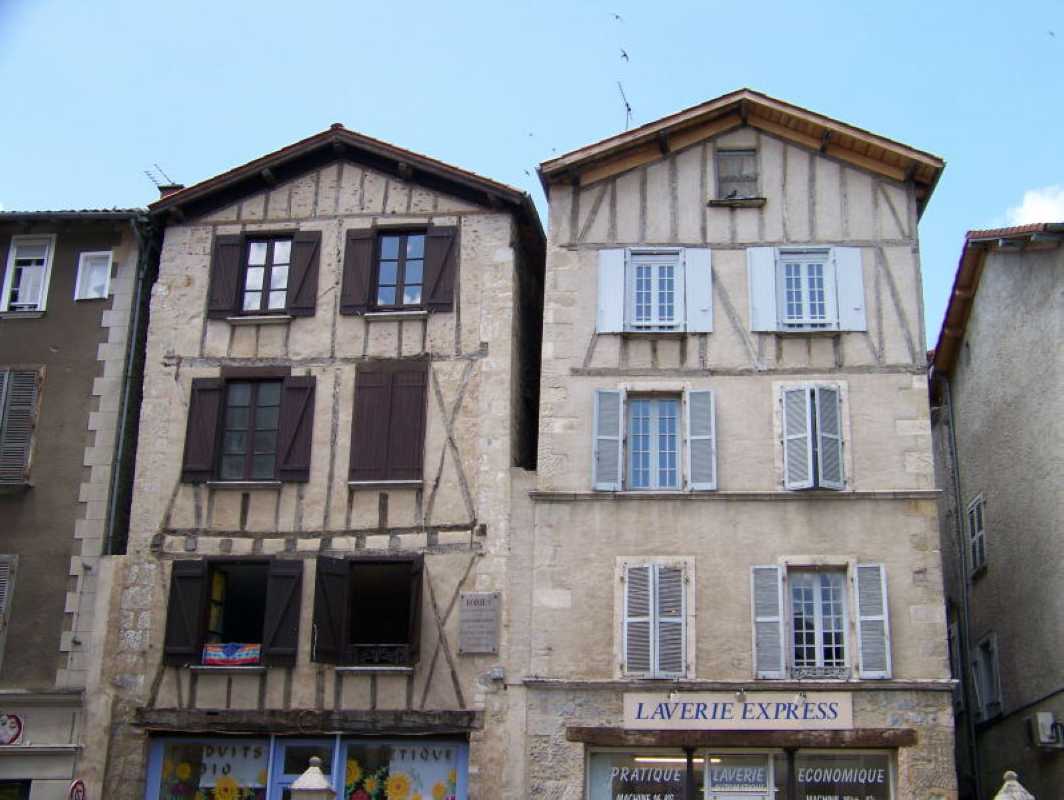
(761, 272)
(607, 456)
(186, 614)
(303, 277)
(637, 619)
(850, 288)
(18, 419)
(332, 601)
(797, 438)
(296, 428)
(7, 573)
(669, 620)
(441, 267)
(356, 289)
(201, 436)
(873, 624)
(698, 285)
(610, 292)
(224, 286)
(829, 438)
(280, 633)
(701, 441)
(767, 601)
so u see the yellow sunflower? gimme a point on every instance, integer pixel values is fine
(416, 796)
(226, 789)
(354, 771)
(183, 771)
(452, 776)
(398, 786)
(260, 779)
(370, 784)
(438, 791)
(168, 767)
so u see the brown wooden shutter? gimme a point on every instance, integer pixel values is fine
(201, 437)
(369, 428)
(332, 598)
(18, 419)
(417, 569)
(280, 633)
(225, 276)
(303, 275)
(296, 428)
(356, 289)
(441, 265)
(186, 614)
(406, 450)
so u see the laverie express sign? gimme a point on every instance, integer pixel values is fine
(752, 712)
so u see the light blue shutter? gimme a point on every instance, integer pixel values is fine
(637, 619)
(761, 270)
(669, 621)
(610, 292)
(829, 437)
(850, 288)
(797, 439)
(873, 626)
(699, 289)
(767, 601)
(701, 441)
(607, 455)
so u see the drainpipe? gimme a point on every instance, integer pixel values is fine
(965, 637)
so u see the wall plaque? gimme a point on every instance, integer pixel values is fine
(725, 711)
(478, 623)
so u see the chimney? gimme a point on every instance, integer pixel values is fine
(167, 189)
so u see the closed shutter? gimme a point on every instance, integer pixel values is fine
(7, 572)
(186, 613)
(295, 428)
(797, 438)
(761, 271)
(225, 276)
(977, 689)
(637, 619)
(610, 292)
(829, 438)
(201, 437)
(850, 288)
(609, 428)
(417, 569)
(388, 430)
(280, 634)
(441, 267)
(369, 427)
(18, 419)
(698, 285)
(407, 408)
(767, 592)
(701, 441)
(332, 599)
(873, 629)
(303, 278)
(356, 285)
(669, 621)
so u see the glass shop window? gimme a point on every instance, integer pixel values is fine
(867, 776)
(216, 769)
(291, 759)
(656, 774)
(404, 770)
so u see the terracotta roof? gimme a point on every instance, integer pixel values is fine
(837, 139)
(1006, 233)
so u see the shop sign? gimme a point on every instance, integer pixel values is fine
(843, 777)
(239, 762)
(727, 711)
(478, 623)
(646, 783)
(11, 728)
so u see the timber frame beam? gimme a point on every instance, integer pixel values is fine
(307, 720)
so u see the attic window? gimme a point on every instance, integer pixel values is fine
(736, 174)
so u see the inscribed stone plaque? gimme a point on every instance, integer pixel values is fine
(478, 623)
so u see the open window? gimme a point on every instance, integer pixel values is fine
(28, 273)
(233, 612)
(367, 611)
(812, 427)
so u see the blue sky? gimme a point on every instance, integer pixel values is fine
(96, 92)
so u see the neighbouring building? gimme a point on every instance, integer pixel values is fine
(997, 382)
(727, 581)
(341, 375)
(67, 367)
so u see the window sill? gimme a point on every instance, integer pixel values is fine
(392, 316)
(14, 487)
(815, 332)
(738, 202)
(21, 314)
(90, 299)
(636, 333)
(260, 319)
(380, 669)
(251, 668)
(244, 486)
(416, 484)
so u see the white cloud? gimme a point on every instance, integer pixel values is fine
(1039, 205)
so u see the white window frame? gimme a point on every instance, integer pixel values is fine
(9, 272)
(804, 259)
(655, 259)
(81, 283)
(687, 565)
(986, 674)
(820, 670)
(977, 560)
(655, 401)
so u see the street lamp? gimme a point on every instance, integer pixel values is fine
(312, 784)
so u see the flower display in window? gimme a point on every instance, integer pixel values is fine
(398, 786)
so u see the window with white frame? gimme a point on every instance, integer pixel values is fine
(977, 535)
(29, 267)
(801, 621)
(655, 606)
(655, 290)
(986, 678)
(658, 441)
(806, 289)
(94, 276)
(812, 428)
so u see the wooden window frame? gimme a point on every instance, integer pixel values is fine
(9, 273)
(976, 544)
(270, 240)
(722, 154)
(819, 670)
(80, 282)
(249, 454)
(400, 269)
